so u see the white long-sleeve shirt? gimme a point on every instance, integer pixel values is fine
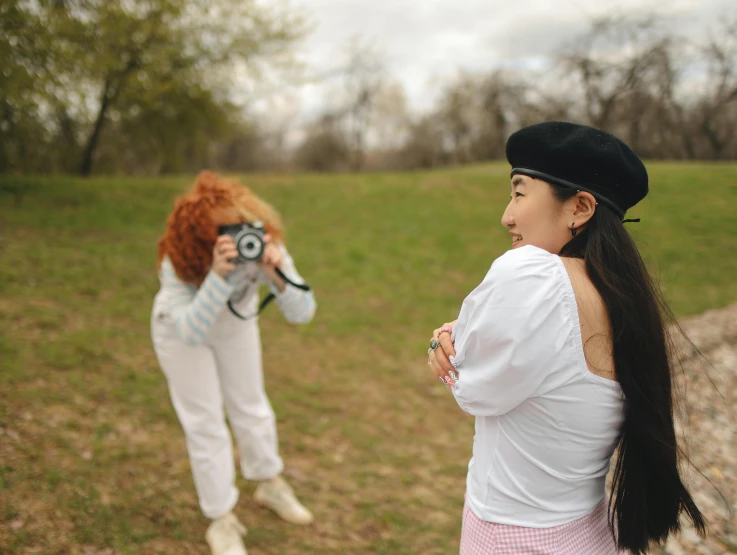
(546, 427)
(194, 310)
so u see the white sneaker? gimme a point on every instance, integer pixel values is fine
(224, 536)
(279, 497)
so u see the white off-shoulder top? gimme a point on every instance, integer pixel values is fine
(546, 427)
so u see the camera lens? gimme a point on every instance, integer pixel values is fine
(250, 246)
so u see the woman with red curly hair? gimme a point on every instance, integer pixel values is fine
(211, 353)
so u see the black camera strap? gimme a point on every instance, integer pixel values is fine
(270, 297)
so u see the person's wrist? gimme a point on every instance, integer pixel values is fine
(271, 269)
(221, 272)
(275, 278)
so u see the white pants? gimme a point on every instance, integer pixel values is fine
(225, 371)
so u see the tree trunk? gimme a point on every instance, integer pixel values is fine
(89, 150)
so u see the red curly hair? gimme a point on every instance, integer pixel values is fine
(192, 226)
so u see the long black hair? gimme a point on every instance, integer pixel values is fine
(648, 494)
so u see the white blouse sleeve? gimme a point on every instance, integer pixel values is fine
(512, 332)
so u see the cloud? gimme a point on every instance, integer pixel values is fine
(422, 41)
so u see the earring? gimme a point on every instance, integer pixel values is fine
(573, 229)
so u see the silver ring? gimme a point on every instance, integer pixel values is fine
(434, 344)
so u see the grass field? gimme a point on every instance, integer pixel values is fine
(92, 458)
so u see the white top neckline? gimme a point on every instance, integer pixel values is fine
(568, 284)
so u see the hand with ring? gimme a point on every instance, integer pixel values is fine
(441, 348)
(222, 254)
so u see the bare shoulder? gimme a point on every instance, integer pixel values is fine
(593, 319)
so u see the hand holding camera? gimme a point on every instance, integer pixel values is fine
(270, 261)
(223, 255)
(272, 257)
(248, 242)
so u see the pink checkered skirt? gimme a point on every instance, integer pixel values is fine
(589, 535)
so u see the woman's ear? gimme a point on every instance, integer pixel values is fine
(584, 207)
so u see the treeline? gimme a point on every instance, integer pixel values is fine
(150, 87)
(667, 97)
(132, 86)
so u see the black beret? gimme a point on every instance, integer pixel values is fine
(580, 157)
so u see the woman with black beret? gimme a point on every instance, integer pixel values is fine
(561, 354)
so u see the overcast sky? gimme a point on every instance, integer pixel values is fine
(423, 39)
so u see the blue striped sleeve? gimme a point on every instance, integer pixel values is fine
(193, 310)
(209, 307)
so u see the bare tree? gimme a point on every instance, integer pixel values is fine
(345, 127)
(324, 148)
(617, 60)
(390, 119)
(476, 111)
(456, 113)
(424, 147)
(364, 79)
(714, 115)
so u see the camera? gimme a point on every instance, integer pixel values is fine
(248, 239)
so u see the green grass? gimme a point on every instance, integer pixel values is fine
(91, 454)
